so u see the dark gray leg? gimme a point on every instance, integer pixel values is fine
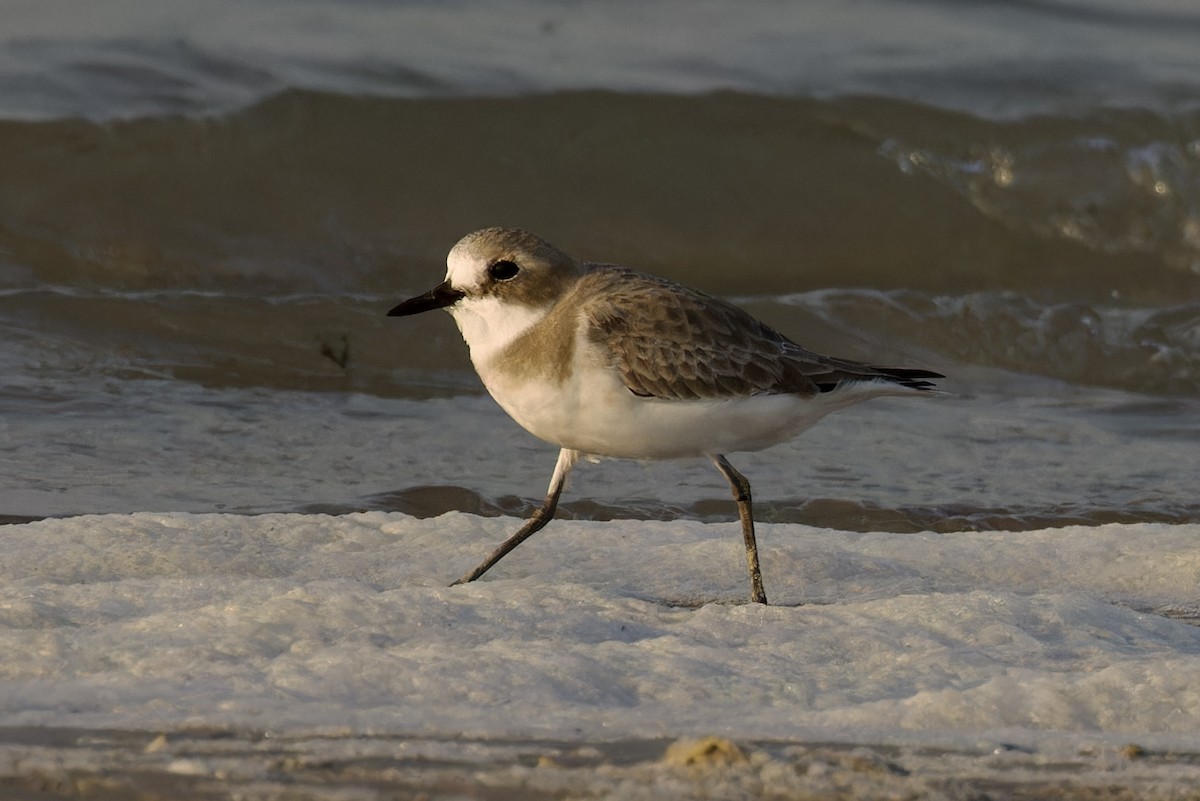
(741, 494)
(543, 515)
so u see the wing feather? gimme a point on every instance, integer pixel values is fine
(672, 342)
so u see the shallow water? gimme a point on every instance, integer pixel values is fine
(1000, 452)
(216, 271)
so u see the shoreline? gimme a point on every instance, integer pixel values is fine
(39, 763)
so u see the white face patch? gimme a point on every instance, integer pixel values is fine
(465, 269)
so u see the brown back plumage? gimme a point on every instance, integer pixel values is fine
(715, 349)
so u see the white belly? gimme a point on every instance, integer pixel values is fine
(592, 411)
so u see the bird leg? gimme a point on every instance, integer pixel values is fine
(741, 494)
(541, 516)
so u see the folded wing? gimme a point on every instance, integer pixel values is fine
(672, 342)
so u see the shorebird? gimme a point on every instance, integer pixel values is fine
(603, 360)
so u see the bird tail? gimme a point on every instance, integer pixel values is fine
(909, 377)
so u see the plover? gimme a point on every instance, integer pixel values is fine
(603, 360)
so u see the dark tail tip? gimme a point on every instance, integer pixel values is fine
(912, 378)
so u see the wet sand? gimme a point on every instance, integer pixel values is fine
(50, 763)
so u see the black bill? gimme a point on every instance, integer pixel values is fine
(439, 297)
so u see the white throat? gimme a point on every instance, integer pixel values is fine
(489, 324)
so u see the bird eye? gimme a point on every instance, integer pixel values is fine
(503, 270)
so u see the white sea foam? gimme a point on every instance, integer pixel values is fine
(599, 630)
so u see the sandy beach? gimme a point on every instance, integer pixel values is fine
(39, 764)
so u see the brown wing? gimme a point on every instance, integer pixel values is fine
(669, 341)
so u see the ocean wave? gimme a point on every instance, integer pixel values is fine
(1114, 190)
(735, 193)
(144, 58)
(1140, 349)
